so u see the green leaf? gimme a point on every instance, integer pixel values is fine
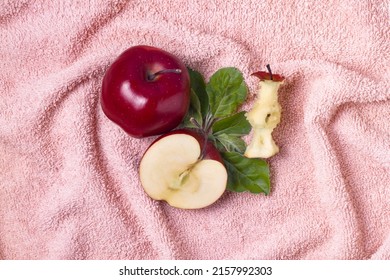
(193, 111)
(229, 143)
(235, 125)
(198, 86)
(246, 174)
(226, 91)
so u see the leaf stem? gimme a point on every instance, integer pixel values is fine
(196, 123)
(203, 152)
(205, 130)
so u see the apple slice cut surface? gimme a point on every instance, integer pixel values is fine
(171, 170)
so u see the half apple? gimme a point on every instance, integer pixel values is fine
(184, 169)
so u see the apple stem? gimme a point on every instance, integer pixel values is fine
(269, 71)
(153, 76)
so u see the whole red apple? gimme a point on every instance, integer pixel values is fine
(146, 91)
(180, 169)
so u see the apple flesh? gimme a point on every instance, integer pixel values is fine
(264, 116)
(146, 91)
(183, 169)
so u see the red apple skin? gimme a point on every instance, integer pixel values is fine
(211, 151)
(140, 106)
(262, 75)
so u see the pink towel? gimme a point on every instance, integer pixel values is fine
(69, 186)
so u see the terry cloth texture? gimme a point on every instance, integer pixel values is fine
(69, 186)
